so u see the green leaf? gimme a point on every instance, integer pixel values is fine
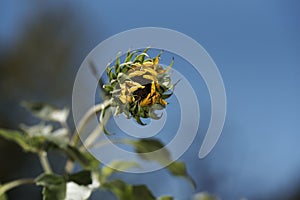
(18, 138)
(117, 66)
(165, 198)
(204, 196)
(54, 186)
(170, 66)
(140, 58)
(145, 146)
(78, 191)
(124, 191)
(165, 96)
(115, 166)
(142, 192)
(139, 121)
(43, 133)
(47, 112)
(81, 178)
(3, 196)
(85, 159)
(179, 169)
(129, 56)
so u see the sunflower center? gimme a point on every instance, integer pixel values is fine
(142, 93)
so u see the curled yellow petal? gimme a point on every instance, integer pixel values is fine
(134, 88)
(163, 102)
(136, 73)
(150, 77)
(153, 88)
(146, 101)
(147, 63)
(151, 71)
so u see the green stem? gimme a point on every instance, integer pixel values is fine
(45, 163)
(10, 185)
(93, 110)
(78, 130)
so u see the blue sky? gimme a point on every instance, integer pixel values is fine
(256, 46)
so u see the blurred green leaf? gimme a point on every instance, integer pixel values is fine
(165, 198)
(54, 186)
(85, 159)
(46, 133)
(18, 138)
(115, 166)
(3, 196)
(75, 191)
(204, 196)
(124, 191)
(146, 146)
(81, 185)
(47, 112)
(179, 169)
(81, 178)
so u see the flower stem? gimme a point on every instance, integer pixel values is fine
(44, 162)
(75, 138)
(85, 119)
(10, 185)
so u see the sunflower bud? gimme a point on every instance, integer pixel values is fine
(139, 86)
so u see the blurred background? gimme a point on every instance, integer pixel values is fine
(255, 45)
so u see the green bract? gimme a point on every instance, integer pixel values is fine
(139, 86)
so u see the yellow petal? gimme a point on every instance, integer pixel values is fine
(153, 88)
(163, 102)
(136, 73)
(137, 64)
(151, 71)
(134, 88)
(126, 98)
(150, 77)
(156, 61)
(147, 63)
(122, 98)
(146, 101)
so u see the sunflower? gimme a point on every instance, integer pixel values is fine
(139, 86)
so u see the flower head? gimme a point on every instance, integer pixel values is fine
(139, 86)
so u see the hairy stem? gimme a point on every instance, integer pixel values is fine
(44, 162)
(10, 185)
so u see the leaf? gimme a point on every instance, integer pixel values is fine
(54, 186)
(179, 169)
(124, 191)
(81, 178)
(77, 191)
(129, 56)
(204, 196)
(145, 146)
(46, 133)
(18, 138)
(3, 197)
(85, 159)
(115, 166)
(47, 112)
(140, 58)
(117, 66)
(165, 198)
(142, 192)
